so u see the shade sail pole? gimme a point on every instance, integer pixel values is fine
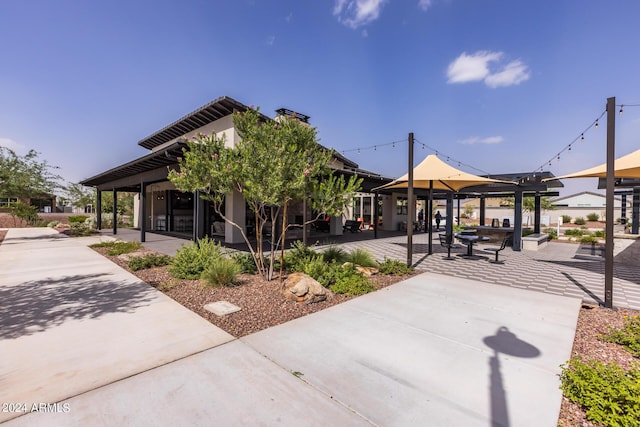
(608, 249)
(430, 217)
(410, 205)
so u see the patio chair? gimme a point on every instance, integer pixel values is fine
(507, 241)
(446, 240)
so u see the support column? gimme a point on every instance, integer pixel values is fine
(115, 212)
(483, 204)
(517, 221)
(195, 216)
(143, 212)
(608, 247)
(536, 214)
(449, 214)
(458, 204)
(635, 210)
(375, 215)
(99, 209)
(623, 207)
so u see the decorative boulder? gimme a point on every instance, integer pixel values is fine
(365, 271)
(303, 288)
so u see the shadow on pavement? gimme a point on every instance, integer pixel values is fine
(39, 305)
(620, 271)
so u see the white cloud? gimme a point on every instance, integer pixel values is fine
(425, 4)
(471, 68)
(271, 40)
(485, 66)
(513, 73)
(365, 33)
(355, 13)
(478, 140)
(11, 144)
(289, 17)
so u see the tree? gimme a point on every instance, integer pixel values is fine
(275, 164)
(80, 196)
(26, 176)
(529, 203)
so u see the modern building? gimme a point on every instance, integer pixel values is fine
(161, 208)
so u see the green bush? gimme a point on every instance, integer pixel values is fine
(221, 271)
(193, 258)
(362, 257)
(148, 261)
(394, 267)
(566, 219)
(552, 232)
(77, 219)
(52, 224)
(245, 261)
(118, 247)
(579, 221)
(599, 233)
(609, 394)
(324, 273)
(298, 256)
(593, 217)
(628, 336)
(334, 254)
(574, 232)
(349, 282)
(25, 212)
(588, 239)
(526, 232)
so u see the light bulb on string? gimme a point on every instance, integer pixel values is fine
(582, 136)
(620, 112)
(358, 151)
(375, 148)
(569, 147)
(393, 145)
(596, 125)
(558, 157)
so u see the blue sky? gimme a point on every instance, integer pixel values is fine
(499, 85)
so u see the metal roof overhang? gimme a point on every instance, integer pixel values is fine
(123, 177)
(211, 112)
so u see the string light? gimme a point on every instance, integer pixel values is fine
(620, 112)
(582, 137)
(596, 125)
(358, 151)
(569, 147)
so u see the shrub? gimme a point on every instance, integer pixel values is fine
(221, 271)
(245, 261)
(526, 232)
(552, 232)
(118, 247)
(362, 257)
(192, 259)
(609, 394)
(324, 273)
(579, 221)
(298, 256)
(148, 261)
(566, 219)
(77, 219)
(52, 224)
(599, 233)
(574, 232)
(334, 254)
(394, 267)
(349, 282)
(589, 239)
(628, 336)
(25, 212)
(593, 217)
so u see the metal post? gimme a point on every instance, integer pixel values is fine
(536, 214)
(115, 212)
(608, 249)
(376, 220)
(143, 212)
(410, 205)
(517, 221)
(483, 203)
(623, 208)
(99, 209)
(430, 216)
(635, 210)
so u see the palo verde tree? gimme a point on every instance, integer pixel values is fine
(26, 176)
(275, 164)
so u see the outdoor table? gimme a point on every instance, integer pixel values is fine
(469, 240)
(469, 232)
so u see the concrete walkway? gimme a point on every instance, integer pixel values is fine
(433, 350)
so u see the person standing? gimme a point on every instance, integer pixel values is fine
(421, 219)
(438, 219)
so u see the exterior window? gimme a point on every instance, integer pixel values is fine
(401, 206)
(5, 202)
